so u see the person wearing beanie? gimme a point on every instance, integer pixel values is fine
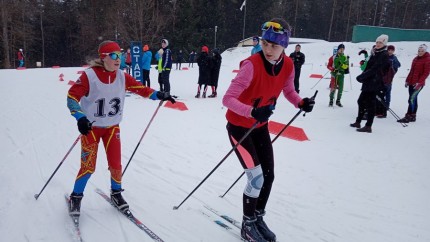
(166, 65)
(215, 65)
(146, 65)
(204, 63)
(372, 84)
(251, 99)
(256, 44)
(415, 82)
(388, 80)
(340, 66)
(96, 101)
(21, 58)
(298, 59)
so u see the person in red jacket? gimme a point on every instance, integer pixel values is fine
(21, 58)
(416, 80)
(251, 99)
(96, 100)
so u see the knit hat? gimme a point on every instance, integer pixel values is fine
(383, 38)
(145, 48)
(165, 41)
(256, 38)
(205, 49)
(423, 46)
(107, 47)
(341, 46)
(276, 31)
(20, 49)
(391, 47)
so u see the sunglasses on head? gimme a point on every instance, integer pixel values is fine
(276, 27)
(113, 55)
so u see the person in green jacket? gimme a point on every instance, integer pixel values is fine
(341, 64)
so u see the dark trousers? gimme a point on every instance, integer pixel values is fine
(366, 103)
(258, 146)
(146, 80)
(413, 100)
(297, 78)
(165, 76)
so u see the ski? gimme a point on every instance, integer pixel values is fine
(221, 224)
(75, 219)
(227, 218)
(131, 217)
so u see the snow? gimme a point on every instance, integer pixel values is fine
(341, 185)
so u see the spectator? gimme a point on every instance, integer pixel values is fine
(166, 65)
(204, 62)
(21, 58)
(214, 73)
(128, 60)
(372, 83)
(298, 60)
(191, 58)
(416, 81)
(256, 44)
(179, 59)
(146, 65)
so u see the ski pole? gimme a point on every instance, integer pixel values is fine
(67, 154)
(319, 80)
(222, 160)
(391, 111)
(144, 132)
(274, 139)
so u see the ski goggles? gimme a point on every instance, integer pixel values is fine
(275, 33)
(112, 55)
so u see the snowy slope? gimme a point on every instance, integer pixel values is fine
(339, 186)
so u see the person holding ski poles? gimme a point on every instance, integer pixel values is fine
(251, 98)
(96, 100)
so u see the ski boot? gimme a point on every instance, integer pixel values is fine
(262, 226)
(249, 231)
(118, 201)
(75, 204)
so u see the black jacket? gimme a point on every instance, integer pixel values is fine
(377, 67)
(298, 59)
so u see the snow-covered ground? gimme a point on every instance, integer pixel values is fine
(339, 186)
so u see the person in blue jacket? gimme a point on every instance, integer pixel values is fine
(256, 44)
(146, 65)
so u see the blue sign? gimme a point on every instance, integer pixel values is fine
(136, 60)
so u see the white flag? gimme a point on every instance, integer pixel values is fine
(243, 5)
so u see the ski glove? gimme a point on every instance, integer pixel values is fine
(307, 104)
(84, 125)
(262, 114)
(165, 96)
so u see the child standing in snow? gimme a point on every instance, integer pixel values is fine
(96, 100)
(251, 98)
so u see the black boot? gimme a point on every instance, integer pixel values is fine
(262, 226)
(412, 117)
(366, 129)
(204, 95)
(118, 200)
(198, 95)
(249, 231)
(355, 125)
(338, 103)
(212, 95)
(330, 104)
(75, 204)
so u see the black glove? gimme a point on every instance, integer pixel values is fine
(262, 114)
(165, 96)
(307, 104)
(84, 125)
(362, 52)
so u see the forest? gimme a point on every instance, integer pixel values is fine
(67, 32)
